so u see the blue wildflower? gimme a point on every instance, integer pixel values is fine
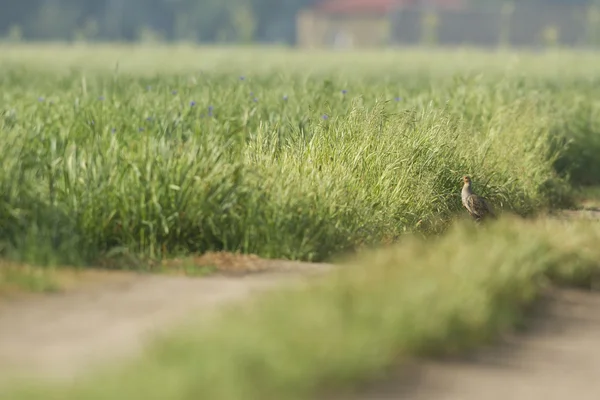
(174, 92)
(192, 103)
(242, 78)
(141, 129)
(325, 117)
(344, 91)
(285, 97)
(398, 99)
(210, 111)
(113, 130)
(40, 99)
(255, 100)
(101, 98)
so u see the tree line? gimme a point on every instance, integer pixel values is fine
(168, 20)
(197, 20)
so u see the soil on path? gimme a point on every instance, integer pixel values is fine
(113, 314)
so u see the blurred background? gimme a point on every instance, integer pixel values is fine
(308, 23)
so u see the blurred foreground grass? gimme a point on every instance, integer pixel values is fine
(418, 298)
(112, 151)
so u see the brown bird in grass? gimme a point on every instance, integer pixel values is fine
(476, 205)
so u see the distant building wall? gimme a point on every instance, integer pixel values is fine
(523, 26)
(318, 31)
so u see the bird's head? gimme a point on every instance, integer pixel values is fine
(466, 180)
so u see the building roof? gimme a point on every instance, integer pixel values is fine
(377, 6)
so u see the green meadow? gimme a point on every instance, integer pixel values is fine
(113, 153)
(161, 151)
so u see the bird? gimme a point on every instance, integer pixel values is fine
(476, 205)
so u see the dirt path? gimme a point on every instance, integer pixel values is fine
(57, 336)
(113, 316)
(60, 335)
(557, 358)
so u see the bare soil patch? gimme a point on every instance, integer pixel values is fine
(112, 314)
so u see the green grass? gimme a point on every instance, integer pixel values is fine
(105, 154)
(419, 298)
(129, 153)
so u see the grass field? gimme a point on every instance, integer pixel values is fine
(158, 151)
(120, 152)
